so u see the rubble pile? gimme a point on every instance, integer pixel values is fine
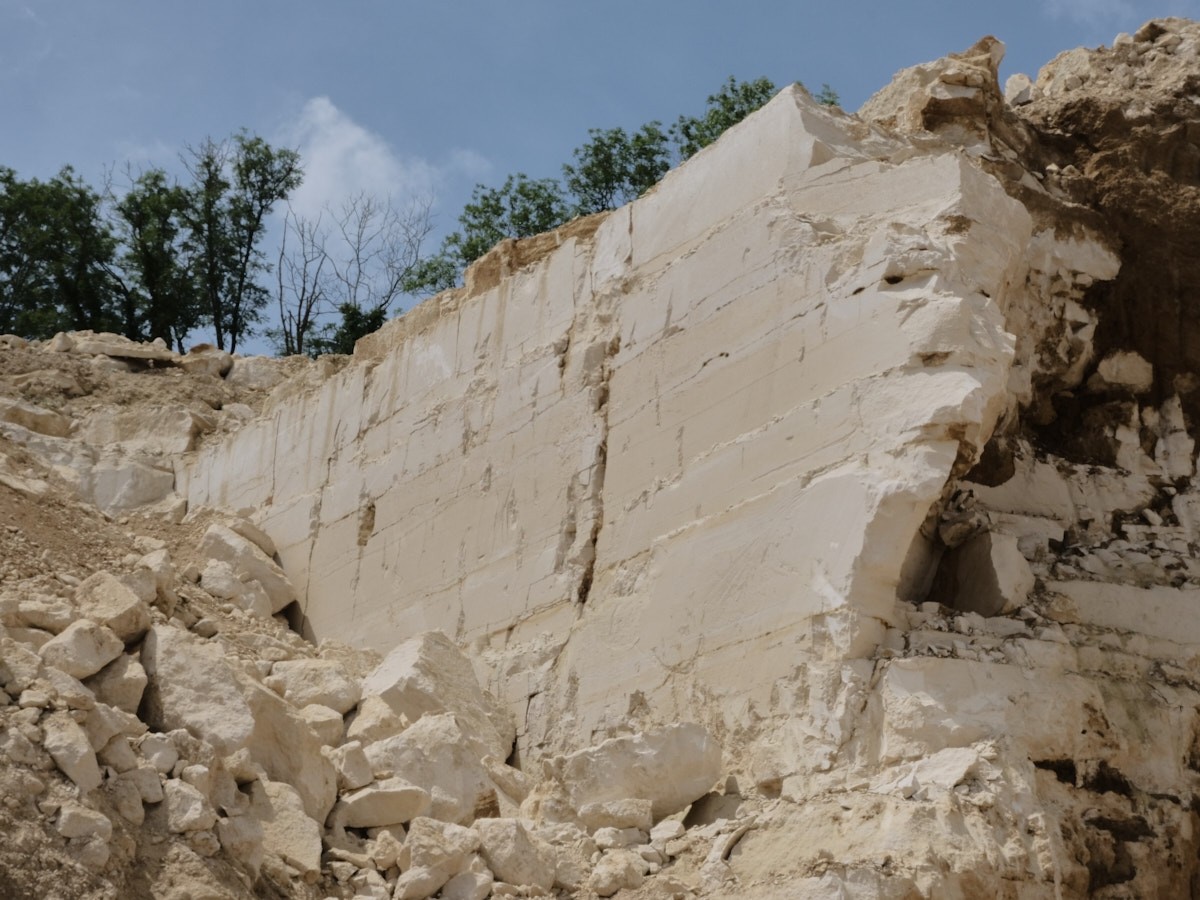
(822, 524)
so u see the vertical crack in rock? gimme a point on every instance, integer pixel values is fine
(595, 495)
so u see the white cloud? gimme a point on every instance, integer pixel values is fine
(341, 158)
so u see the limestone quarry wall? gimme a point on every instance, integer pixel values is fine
(704, 429)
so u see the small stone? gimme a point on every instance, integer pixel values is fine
(77, 821)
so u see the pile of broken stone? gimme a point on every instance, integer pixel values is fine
(156, 701)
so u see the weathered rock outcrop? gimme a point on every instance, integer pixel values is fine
(823, 523)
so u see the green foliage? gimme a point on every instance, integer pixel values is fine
(728, 106)
(356, 323)
(521, 207)
(236, 183)
(56, 256)
(613, 168)
(160, 298)
(827, 96)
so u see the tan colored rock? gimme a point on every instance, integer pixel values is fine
(68, 745)
(284, 744)
(259, 373)
(192, 686)
(90, 343)
(326, 723)
(441, 846)
(204, 359)
(167, 430)
(669, 766)
(288, 832)
(373, 721)
(187, 808)
(246, 558)
(159, 751)
(39, 611)
(34, 418)
(390, 801)
(986, 575)
(119, 483)
(434, 753)
(220, 580)
(320, 681)
(146, 779)
(468, 886)
(635, 814)
(77, 821)
(617, 870)
(353, 768)
(105, 599)
(121, 683)
(82, 649)
(429, 675)
(513, 855)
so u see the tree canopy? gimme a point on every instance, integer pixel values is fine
(164, 257)
(612, 168)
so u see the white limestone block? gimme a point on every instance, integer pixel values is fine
(287, 831)
(187, 808)
(390, 801)
(669, 766)
(435, 754)
(321, 681)
(428, 675)
(107, 600)
(82, 649)
(77, 821)
(192, 686)
(246, 558)
(69, 747)
(513, 854)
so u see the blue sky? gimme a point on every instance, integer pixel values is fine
(430, 98)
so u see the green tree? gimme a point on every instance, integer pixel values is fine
(236, 183)
(614, 167)
(827, 96)
(158, 288)
(728, 106)
(56, 257)
(521, 207)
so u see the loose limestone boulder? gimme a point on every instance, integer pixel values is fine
(83, 649)
(205, 359)
(986, 575)
(669, 766)
(69, 747)
(513, 855)
(34, 418)
(288, 832)
(246, 558)
(434, 753)
(221, 581)
(428, 675)
(187, 808)
(320, 681)
(284, 744)
(120, 684)
(192, 686)
(391, 801)
(106, 599)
